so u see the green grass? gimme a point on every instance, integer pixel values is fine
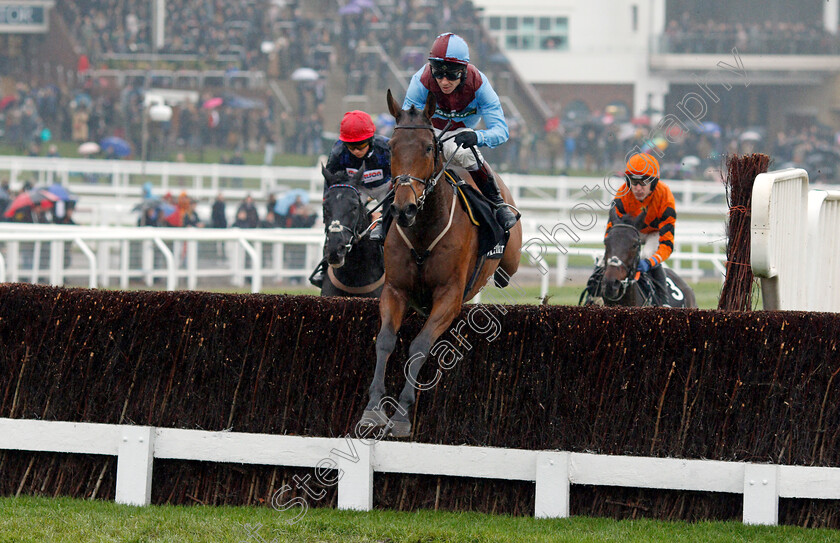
(29, 519)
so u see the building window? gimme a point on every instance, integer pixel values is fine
(530, 33)
(634, 17)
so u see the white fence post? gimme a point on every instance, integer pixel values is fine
(355, 488)
(134, 465)
(552, 493)
(761, 494)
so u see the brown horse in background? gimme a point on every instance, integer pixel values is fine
(430, 255)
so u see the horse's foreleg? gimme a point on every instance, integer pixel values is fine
(392, 306)
(444, 310)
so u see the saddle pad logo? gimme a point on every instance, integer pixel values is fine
(370, 176)
(497, 251)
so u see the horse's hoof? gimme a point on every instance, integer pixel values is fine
(400, 428)
(374, 418)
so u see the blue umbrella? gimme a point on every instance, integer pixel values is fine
(285, 201)
(710, 128)
(350, 9)
(115, 146)
(61, 192)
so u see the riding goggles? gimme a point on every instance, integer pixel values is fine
(356, 145)
(442, 73)
(635, 179)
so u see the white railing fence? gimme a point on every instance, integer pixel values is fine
(351, 464)
(795, 242)
(187, 257)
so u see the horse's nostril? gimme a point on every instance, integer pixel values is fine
(394, 210)
(411, 211)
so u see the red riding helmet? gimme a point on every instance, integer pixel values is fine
(356, 126)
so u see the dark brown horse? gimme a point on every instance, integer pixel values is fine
(430, 256)
(615, 283)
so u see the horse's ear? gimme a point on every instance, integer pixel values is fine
(431, 104)
(360, 174)
(639, 221)
(393, 106)
(328, 177)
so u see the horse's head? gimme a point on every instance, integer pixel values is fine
(345, 215)
(621, 256)
(414, 158)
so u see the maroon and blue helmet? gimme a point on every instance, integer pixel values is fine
(450, 48)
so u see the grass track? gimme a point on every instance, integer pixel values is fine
(31, 519)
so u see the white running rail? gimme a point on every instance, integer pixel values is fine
(351, 463)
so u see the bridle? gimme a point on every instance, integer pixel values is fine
(429, 183)
(335, 226)
(630, 269)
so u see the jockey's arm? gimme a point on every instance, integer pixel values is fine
(416, 94)
(490, 109)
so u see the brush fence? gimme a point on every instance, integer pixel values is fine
(356, 460)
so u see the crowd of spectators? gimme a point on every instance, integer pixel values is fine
(686, 35)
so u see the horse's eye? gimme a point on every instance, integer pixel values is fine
(429, 148)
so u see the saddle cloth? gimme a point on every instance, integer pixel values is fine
(491, 236)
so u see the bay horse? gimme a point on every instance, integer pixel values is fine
(615, 282)
(355, 266)
(431, 254)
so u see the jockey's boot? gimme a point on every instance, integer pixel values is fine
(317, 276)
(657, 277)
(486, 182)
(382, 224)
(377, 233)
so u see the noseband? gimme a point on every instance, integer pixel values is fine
(428, 183)
(335, 226)
(616, 262)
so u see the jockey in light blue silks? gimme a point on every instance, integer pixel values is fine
(463, 95)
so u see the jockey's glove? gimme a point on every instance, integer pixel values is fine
(644, 266)
(467, 139)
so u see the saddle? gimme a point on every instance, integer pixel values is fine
(491, 237)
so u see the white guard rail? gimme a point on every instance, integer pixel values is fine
(108, 189)
(116, 255)
(351, 464)
(796, 242)
(109, 252)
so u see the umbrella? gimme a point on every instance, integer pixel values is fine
(284, 202)
(363, 3)
(147, 203)
(710, 128)
(213, 103)
(690, 161)
(6, 101)
(115, 146)
(750, 135)
(88, 148)
(240, 102)
(350, 9)
(305, 74)
(27, 199)
(60, 192)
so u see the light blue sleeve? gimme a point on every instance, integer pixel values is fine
(490, 108)
(416, 94)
